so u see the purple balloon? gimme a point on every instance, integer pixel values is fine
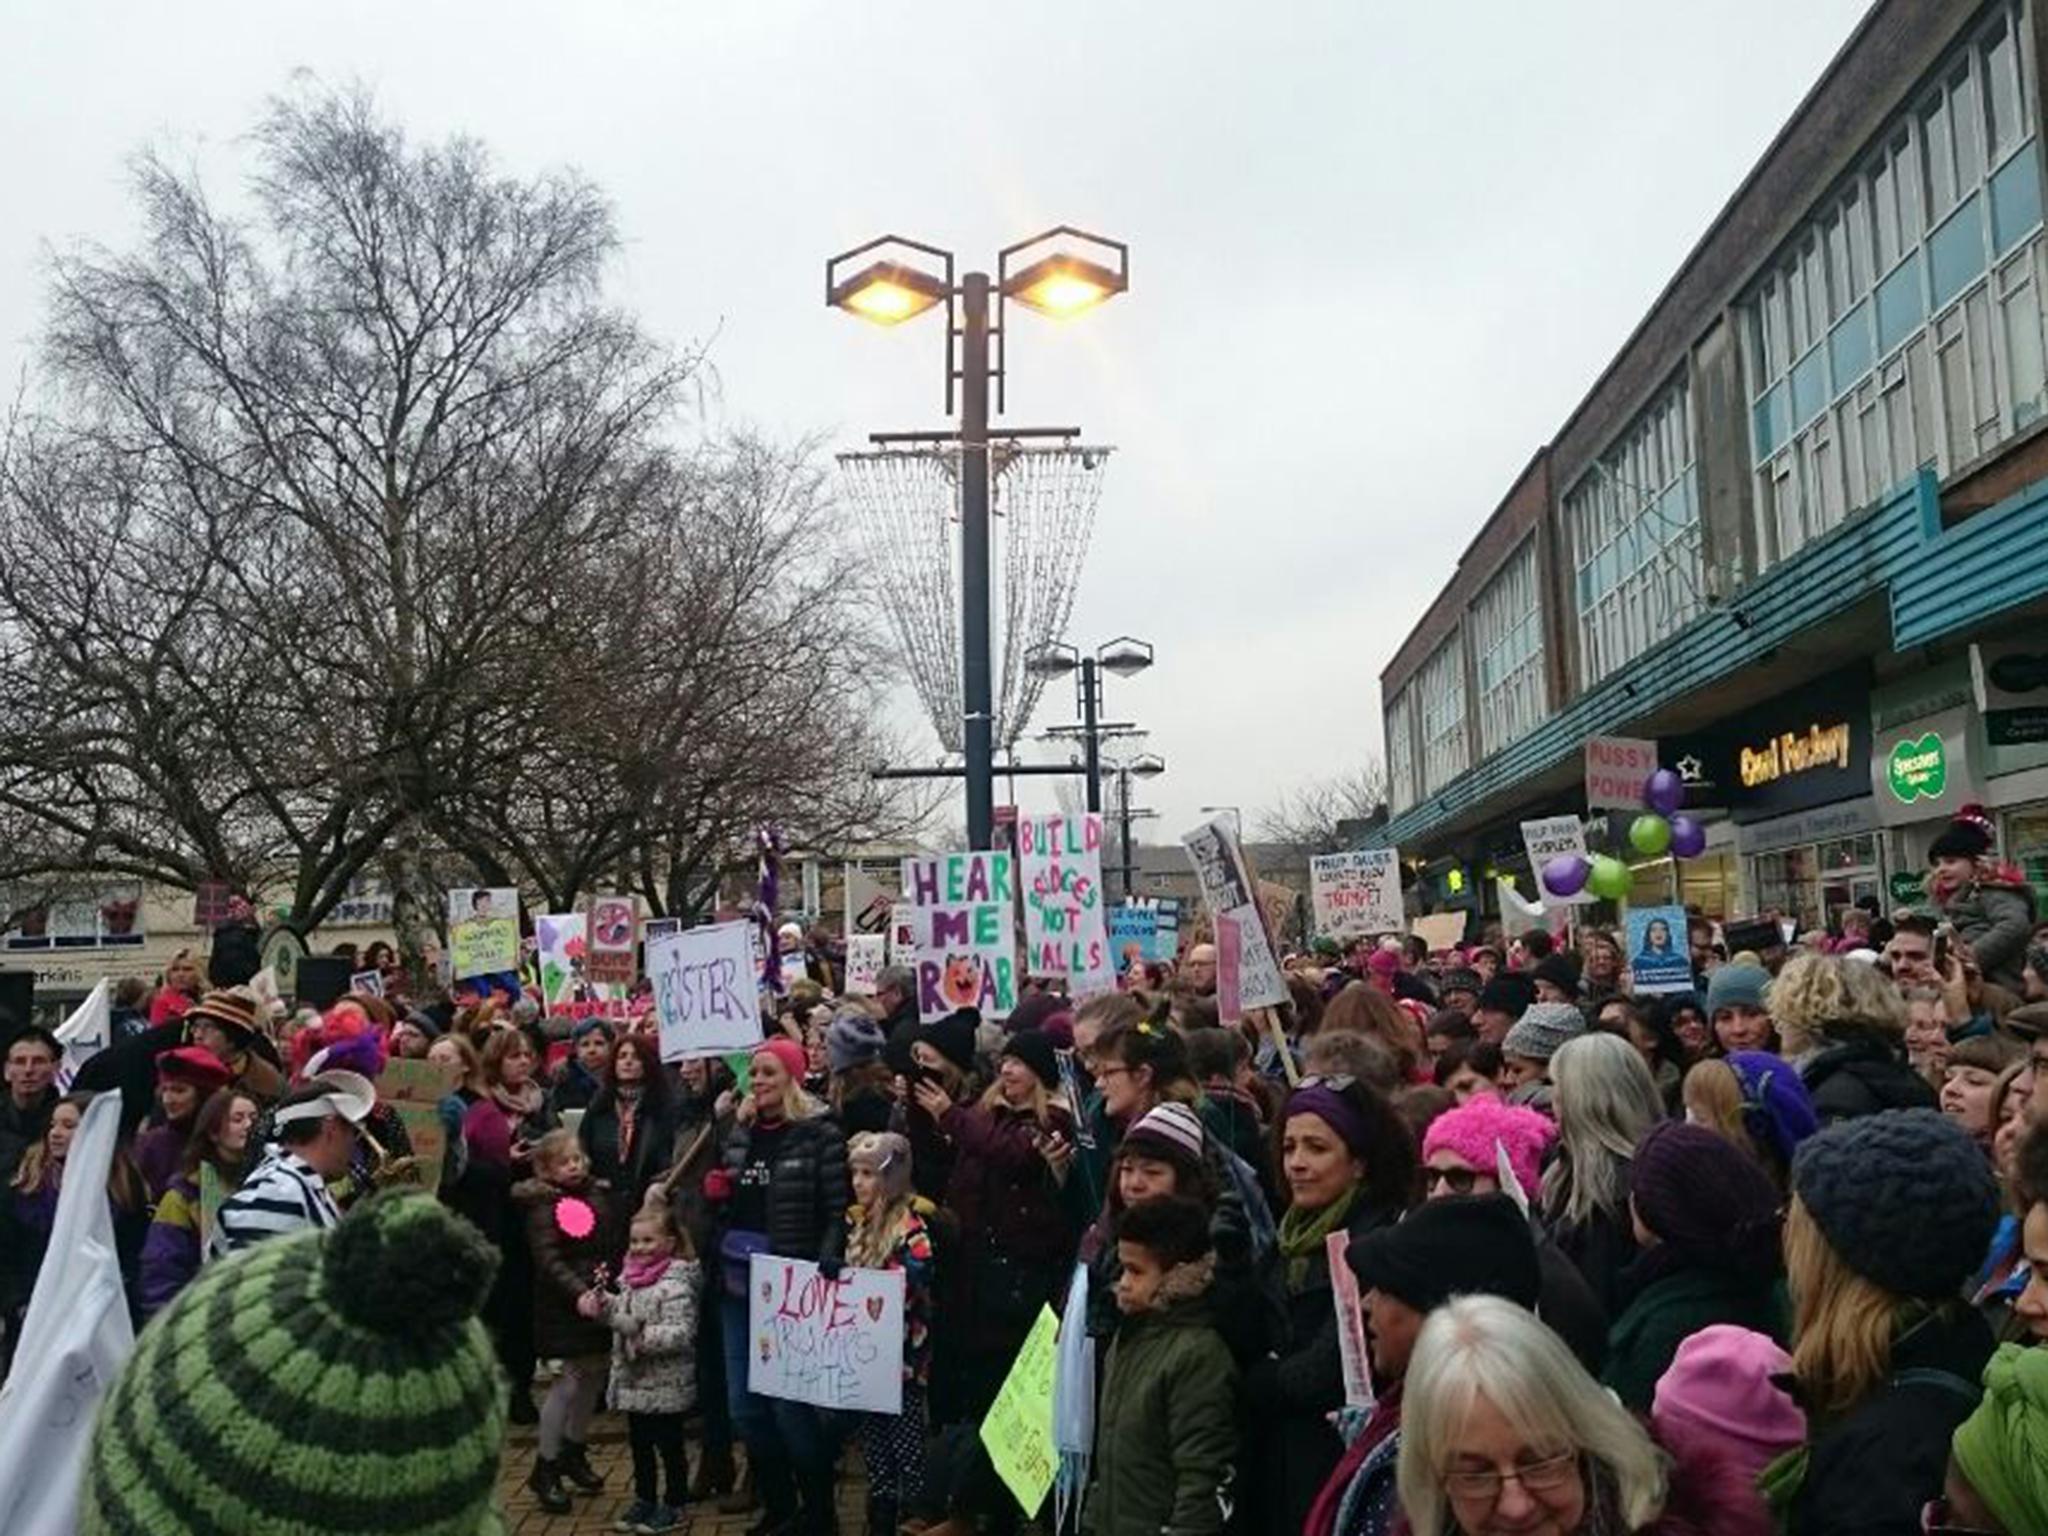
(1664, 791)
(1566, 874)
(1688, 837)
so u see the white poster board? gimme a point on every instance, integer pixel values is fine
(966, 932)
(1548, 837)
(483, 931)
(1230, 890)
(1065, 930)
(707, 994)
(866, 954)
(834, 1343)
(1357, 893)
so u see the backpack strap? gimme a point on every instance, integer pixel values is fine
(1946, 1381)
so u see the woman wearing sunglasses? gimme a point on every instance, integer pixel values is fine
(1349, 1167)
(1504, 1434)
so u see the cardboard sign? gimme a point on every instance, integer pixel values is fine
(1133, 935)
(1439, 930)
(614, 933)
(1229, 888)
(1351, 1347)
(561, 941)
(966, 942)
(1357, 893)
(367, 983)
(1545, 839)
(1065, 933)
(1018, 1429)
(1658, 957)
(707, 994)
(1617, 768)
(655, 927)
(902, 934)
(835, 1343)
(866, 955)
(483, 931)
(415, 1089)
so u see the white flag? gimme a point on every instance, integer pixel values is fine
(74, 1341)
(85, 1034)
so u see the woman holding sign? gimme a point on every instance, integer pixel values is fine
(783, 1191)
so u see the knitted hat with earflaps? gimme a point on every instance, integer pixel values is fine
(323, 1382)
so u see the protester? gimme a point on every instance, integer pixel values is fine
(1646, 1028)
(1722, 1414)
(1927, 1032)
(1366, 1010)
(32, 1058)
(1605, 1100)
(1458, 1245)
(179, 990)
(1166, 1426)
(942, 1057)
(1975, 1067)
(287, 1191)
(1758, 1102)
(584, 1071)
(629, 1130)
(1890, 1213)
(1536, 1038)
(1349, 1166)
(1468, 1070)
(1844, 1027)
(1686, 1017)
(29, 1211)
(859, 1094)
(1737, 1011)
(228, 1023)
(885, 1230)
(171, 1250)
(1989, 905)
(652, 1314)
(1503, 1431)
(377, 1315)
(1706, 1218)
(1998, 1472)
(1503, 1000)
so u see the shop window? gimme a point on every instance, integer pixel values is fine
(103, 917)
(2026, 842)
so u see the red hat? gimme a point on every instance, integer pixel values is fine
(193, 1064)
(786, 1051)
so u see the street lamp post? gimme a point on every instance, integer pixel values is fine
(1126, 657)
(1061, 283)
(1147, 766)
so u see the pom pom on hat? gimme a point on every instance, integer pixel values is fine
(1968, 836)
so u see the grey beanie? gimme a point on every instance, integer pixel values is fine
(1736, 986)
(1542, 1029)
(852, 1040)
(1904, 1197)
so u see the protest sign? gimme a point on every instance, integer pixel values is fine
(614, 929)
(1229, 888)
(902, 934)
(1658, 957)
(1133, 934)
(1064, 931)
(483, 931)
(792, 967)
(1547, 838)
(1357, 893)
(707, 994)
(415, 1089)
(866, 954)
(1229, 968)
(1018, 1429)
(366, 983)
(561, 940)
(1617, 768)
(836, 1343)
(655, 927)
(966, 941)
(1439, 930)
(1351, 1349)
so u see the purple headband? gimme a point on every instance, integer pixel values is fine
(1335, 1111)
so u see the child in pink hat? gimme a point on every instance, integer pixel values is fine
(1722, 1415)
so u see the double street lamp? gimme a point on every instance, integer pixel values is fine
(1147, 765)
(1061, 273)
(1123, 656)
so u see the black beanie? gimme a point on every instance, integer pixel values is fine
(1510, 992)
(1966, 837)
(953, 1037)
(1461, 1245)
(1904, 1197)
(1034, 1048)
(1560, 972)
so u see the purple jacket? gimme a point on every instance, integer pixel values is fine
(158, 1152)
(170, 1253)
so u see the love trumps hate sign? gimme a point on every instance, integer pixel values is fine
(835, 1343)
(966, 942)
(1065, 932)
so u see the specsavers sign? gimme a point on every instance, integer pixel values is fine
(1925, 769)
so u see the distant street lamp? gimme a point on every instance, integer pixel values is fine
(1062, 272)
(1124, 656)
(1147, 765)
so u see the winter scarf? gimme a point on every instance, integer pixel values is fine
(1302, 1233)
(643, 1270)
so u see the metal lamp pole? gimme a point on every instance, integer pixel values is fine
(977, 695)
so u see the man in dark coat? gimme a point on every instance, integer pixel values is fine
(32, 1058)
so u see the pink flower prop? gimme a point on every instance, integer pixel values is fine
(575, 1217)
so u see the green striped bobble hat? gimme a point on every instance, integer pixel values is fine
(321, 1382)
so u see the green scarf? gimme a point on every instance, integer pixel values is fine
(1302, 1234)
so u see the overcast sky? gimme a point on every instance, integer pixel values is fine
(1379, 251)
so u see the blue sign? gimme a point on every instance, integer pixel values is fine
(1658, 957)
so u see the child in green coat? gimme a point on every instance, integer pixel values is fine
(1166, 1429)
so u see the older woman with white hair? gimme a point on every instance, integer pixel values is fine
(1504, 1434)
(1604, 1100)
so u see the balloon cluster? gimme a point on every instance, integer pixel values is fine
(1659, 830)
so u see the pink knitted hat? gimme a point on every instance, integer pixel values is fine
(1721, 1387)
(1472, 1128)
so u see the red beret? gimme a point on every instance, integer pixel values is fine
(193, 1064)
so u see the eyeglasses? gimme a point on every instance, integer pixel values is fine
(1549, 1475)
(1458, 1181)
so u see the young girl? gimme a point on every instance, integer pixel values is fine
(571, 1232)
(886, 1232)
(653, 1319)
(170, 1251)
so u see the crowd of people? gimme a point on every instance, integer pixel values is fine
(1767, 1254)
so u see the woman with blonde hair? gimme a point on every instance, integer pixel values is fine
(1755, 1100)
(1889, 1215)
(1604, 1099)
(1843, 1024)
(1503, 1431)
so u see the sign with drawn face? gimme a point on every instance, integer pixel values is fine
(964, 932)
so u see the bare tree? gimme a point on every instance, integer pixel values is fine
(1310, 819)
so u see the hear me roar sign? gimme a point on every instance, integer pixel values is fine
(1065, 932)
(966, 945)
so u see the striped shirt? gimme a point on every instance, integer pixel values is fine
(284, 1194)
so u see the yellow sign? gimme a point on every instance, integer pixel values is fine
(1819, 746)
(1018, 1429)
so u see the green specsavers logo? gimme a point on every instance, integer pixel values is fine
(1918, 768)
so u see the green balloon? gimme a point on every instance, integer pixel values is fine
(1649, 834)
(1609, 877)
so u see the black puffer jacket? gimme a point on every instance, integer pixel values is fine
(1862, 1074)
(808, 1190)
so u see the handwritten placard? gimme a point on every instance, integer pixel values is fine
(1230, 889)
(835, 1343)
(866, 954)
(1617, 768)
(483, 931)
(1018, 1429)
(1548, 837)
(614, 930)
(966, 939)
(1064, 931)
(707, 994)
(1357, 893)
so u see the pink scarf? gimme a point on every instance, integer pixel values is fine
(642, 1271)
